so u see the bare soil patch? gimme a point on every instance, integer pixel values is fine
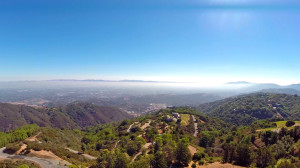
(146, 125)
(192, 149)
(23, 147)
(44, 154)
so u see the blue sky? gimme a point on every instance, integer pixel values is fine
(212, 41)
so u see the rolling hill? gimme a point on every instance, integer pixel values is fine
(75, 115)
(245, 109)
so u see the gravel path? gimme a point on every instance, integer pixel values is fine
(196, 126)
(44, 163)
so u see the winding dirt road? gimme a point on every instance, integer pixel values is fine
(84, 155)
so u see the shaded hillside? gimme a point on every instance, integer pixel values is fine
(85, 114)
(76, 115)
(245, 109)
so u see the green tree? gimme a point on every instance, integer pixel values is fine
(106, 159)
(229, 152)
(264, 157)
(112, 159)
(158, 144)
(269, 137)
(243, 155)
(285, 164)
(121, 160)
(159, 160)
(143, 162)
(290, 123)
(207, 139)
(278, 150)
(287, 142)
(183, 155)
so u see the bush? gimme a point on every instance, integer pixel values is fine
(198, 156)
(290, 123)
(12, 148)
(285, 164)
(201, 162)
(23, 166)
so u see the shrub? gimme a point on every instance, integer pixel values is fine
(12, 148)
(285, 164)
(23, 166)
(198, 156)
(201, 162)
(290, 123)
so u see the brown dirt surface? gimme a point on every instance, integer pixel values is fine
(44, 154)
(259, 143)
(297, 124)
(33, 138)
(203, 122)
(192, 149)
(145, 125)
(23, 147)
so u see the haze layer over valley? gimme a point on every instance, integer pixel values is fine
(135, 97)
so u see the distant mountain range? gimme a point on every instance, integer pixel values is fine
(248, 87)
(102, 80)
(239, 83)
(75, 115)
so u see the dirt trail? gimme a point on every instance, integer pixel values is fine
(33, 138)
(84, 155)
(44, 154)
(23, 147)
(128, 130)
(146, 146)
(145, 125)
(116, 144)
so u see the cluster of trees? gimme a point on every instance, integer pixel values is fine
(277, 146)
(163, 154)
(18, 134)
(112, 159)
(208, 138)
(118, 147)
